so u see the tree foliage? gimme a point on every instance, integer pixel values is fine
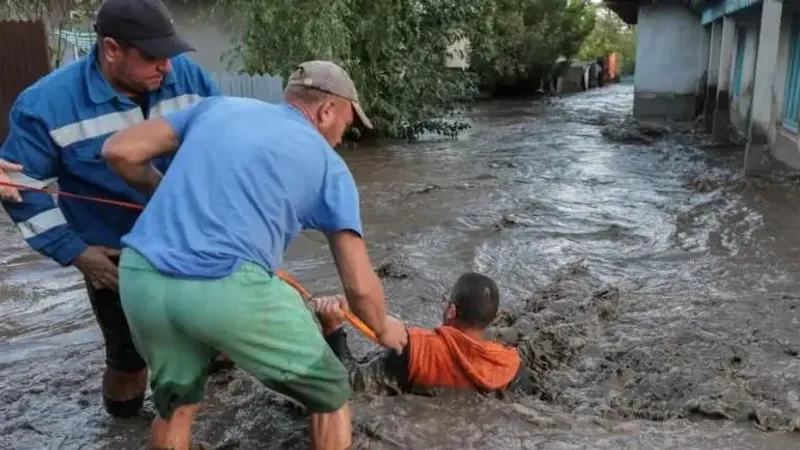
(528, 37)
(611, 34)
(57, 15)
(393, 49)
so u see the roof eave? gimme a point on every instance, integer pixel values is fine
(627, 10)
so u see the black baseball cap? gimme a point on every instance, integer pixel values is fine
(144, 24)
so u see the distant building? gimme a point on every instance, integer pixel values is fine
(457, 56)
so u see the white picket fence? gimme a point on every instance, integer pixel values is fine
(267, 88)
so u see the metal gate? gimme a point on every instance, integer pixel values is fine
(24, 57)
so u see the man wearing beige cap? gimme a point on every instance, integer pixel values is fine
(197, 273)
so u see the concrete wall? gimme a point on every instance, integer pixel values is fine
(209, 33)
(781, 70)
(668, 61)
(750, 24)
(784, 144)
(572, 80)
(714, 49)
(671, 42)
(705, 54)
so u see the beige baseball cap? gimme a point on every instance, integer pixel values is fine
(328, 77)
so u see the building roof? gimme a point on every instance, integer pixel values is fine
(627, 10)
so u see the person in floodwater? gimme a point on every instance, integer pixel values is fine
(134, 71)
(198, 271)
(452, 356)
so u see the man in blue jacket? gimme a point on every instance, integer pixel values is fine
(57, 129)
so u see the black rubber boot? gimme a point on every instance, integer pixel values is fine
(124, 409)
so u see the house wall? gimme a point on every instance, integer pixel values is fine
(750, 23)
(784, 144)
(666, 71)
(210, 34)
(573, 79)
(714, 49)
(668, 54)
(704, 63)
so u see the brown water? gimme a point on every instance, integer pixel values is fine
(658, 313)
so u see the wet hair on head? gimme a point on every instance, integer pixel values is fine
(476, 298)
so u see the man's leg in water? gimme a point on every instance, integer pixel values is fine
(264, 326)
(332, 431)
(282, 346)
(125, 377)
(178, 363)
(256, 319)
(175, 432)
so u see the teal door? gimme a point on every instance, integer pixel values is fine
(738, 67)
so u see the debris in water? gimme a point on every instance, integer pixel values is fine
(554, 326)
(558, 335)
(390, 269)
(739, 181)
(505, 222)
(423, 190)
(633, 131)
(506, 164)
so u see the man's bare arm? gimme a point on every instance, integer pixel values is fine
(362, 287)
(9, 193)
(130, 152)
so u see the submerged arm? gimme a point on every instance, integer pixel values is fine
(523, 382)
(386, 373)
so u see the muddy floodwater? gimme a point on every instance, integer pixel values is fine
(651, 287)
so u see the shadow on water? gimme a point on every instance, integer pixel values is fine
(650, 286)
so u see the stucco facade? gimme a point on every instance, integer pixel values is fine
(748, 73)
(669, 83)
(210, 34)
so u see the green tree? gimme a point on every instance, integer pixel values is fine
(611, 34)
(528, 37)
(393, 49)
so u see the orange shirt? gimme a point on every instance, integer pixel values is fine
(446, 357)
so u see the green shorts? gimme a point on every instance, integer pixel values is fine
(179, 325)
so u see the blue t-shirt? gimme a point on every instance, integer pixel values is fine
(248, 177)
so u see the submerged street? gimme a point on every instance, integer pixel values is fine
(652, 288)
